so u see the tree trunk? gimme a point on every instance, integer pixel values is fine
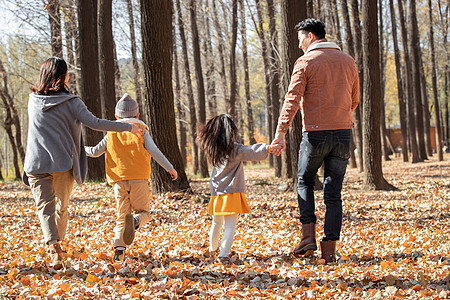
(356, 32)
(11, 120)
(192, 110)
(335, 17)
(200, 82)
(384, 144)
(117, 84)
(425, 107)
(274, 77)
(221, 49)
(231, 106)
(70, 29)
(136, 77)
(179, 106)
(415, 157)
(437, 113)
(262, 38)
(210, 61)
(373, 174)
(90, 89)
(157, 60)
(292, 11)
(400, 92)
(55, 27)
(415, 71)
(248, 97)
(106, 59)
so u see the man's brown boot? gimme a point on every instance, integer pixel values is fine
(308, 241)
(328, 250)
(55, 254)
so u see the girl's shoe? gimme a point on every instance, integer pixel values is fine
(210, 254)
(55, 254)
(119, 255)
(225, 260)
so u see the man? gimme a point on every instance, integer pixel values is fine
(324, 85)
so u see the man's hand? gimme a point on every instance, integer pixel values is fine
(137, 131)
(278, 144)
(173, 173)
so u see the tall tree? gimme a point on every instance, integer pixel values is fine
(274, 75)
(437, 113)
(106, 58)
(70, 28)
(425, 107)
(356, 32)
(414, 49)
(200, 82)
(292, 12)
(373, 174)
(190, 93)
(157, 60)
(11, 123)
(400, 84)
(266, 63)
(90, 89)
(231, 107)
(221, 48)
(415, 157)
(248, 97)
(210, 61)
(134, 59)
(54, 16)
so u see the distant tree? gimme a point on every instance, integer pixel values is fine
(373, 174)
(157, 61)
(221, 48)
(231, 107)
(201, 100)
(54, 16)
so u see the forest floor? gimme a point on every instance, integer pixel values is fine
(394, 245)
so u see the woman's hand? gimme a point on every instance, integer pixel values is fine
(173, 173)
(137, 131)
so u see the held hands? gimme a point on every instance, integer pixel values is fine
(278, 144)
(173, 173)
(136, 131)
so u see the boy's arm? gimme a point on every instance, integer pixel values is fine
(97, 150)
(253, 152)
(156, 154)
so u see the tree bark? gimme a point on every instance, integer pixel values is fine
(221, 48)
(415, 157)
(55, 27)
(266, 62)
(106, 59)
(117, 83)
(373, 174)
(437, 113)
(400, 83)
(292, 11)
(70, 30)
(134, 59)
(157, 60)
(90, 89)
(210, 61)
(190, 93)
(356, 32)
(179, 106)
(231, 106)
(415, 71)
(248, 97)
(425, 107)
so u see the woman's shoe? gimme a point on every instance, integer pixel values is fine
(55, 254)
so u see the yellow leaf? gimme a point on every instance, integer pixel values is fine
(65, 287)
(92, 278)
(384, 264)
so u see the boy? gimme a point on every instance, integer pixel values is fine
(127, 162)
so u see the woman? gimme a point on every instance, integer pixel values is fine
(55, 156)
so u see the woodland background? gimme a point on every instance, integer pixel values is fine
(185, 61)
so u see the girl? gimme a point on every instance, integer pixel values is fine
(55, 156)
(218, 139)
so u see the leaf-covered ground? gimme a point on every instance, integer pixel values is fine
(394, 245)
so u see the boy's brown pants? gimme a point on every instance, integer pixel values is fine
(130, 195)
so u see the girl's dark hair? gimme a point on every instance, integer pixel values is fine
(314, 26)
(217, 139)
(51, 77)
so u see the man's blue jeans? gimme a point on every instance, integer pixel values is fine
(332, 148)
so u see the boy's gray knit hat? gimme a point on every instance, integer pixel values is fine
(127, 107)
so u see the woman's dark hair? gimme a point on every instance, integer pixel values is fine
(314, 26)
(217, 139)
(51, 77)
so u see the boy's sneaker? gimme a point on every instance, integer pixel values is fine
(128, 232)
(119, 255)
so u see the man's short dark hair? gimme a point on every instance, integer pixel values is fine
(314, 26)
